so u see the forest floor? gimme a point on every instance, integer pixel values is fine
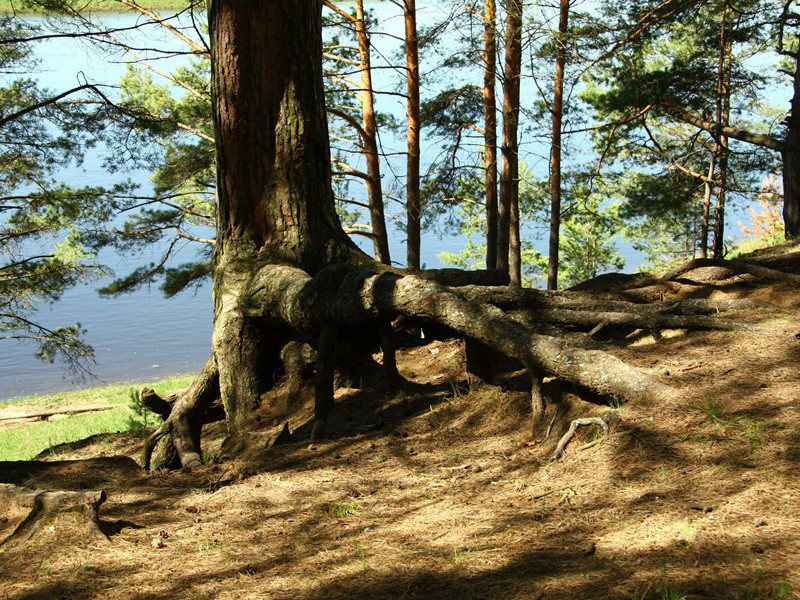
(439, 492)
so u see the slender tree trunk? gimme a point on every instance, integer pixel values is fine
(790, 156)
(413, 198)
(490, 128)
(508, 255)
(380, 237)
(707, 191)
(555, 148)
(723, 117)
(275, 204)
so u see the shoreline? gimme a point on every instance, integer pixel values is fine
(10, 7)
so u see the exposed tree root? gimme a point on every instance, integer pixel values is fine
(736, 266)
(602, 421)
(181, 430)
(44, 505)
(346, 298)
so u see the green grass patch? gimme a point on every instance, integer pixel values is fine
(115, 393)
(28, 440)
(17, 6)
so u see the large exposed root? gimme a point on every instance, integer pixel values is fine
(349, 296)
(181, 429)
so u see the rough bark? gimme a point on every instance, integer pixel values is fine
(735, 266)
(274, 204)
(723, 117)
(351, 296)
(790, 155)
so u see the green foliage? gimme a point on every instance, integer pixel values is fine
(47, 230)
(587, 241)
(143, 417)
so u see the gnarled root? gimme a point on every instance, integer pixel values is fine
(44, 505)
(178, 437)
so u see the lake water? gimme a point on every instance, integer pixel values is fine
(141, 336)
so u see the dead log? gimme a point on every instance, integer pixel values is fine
(46, 505)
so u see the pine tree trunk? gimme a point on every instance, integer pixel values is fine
(790, 156)
(723, 117)
(707, 191)
(490, 129)
(508, 258)
(274, 198)
(413, 198)
(555, 149)
(380, 237)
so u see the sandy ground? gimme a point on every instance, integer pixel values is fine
(439, 492)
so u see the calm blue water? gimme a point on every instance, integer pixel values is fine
(142, 336)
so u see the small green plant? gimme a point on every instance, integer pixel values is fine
(343, 509)
(752, 432)
(52, 448)
(204, 546)
(363, 557)
(453, 453)
(712, 408)
(142, 417)
(208, 456)
(783, 590)
(458, 556)
(615, 403)
(595, 433)
(380, 458)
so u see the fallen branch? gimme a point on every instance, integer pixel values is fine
(62, 411)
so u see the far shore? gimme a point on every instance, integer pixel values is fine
(16, 7)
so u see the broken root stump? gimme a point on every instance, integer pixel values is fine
(45, 506)
(603, 421)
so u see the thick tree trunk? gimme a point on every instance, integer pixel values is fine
(508, 254)
(555, 148)
(282, 260)
(413, 198)
(490, 128)
(274, 198)
(369, 124)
